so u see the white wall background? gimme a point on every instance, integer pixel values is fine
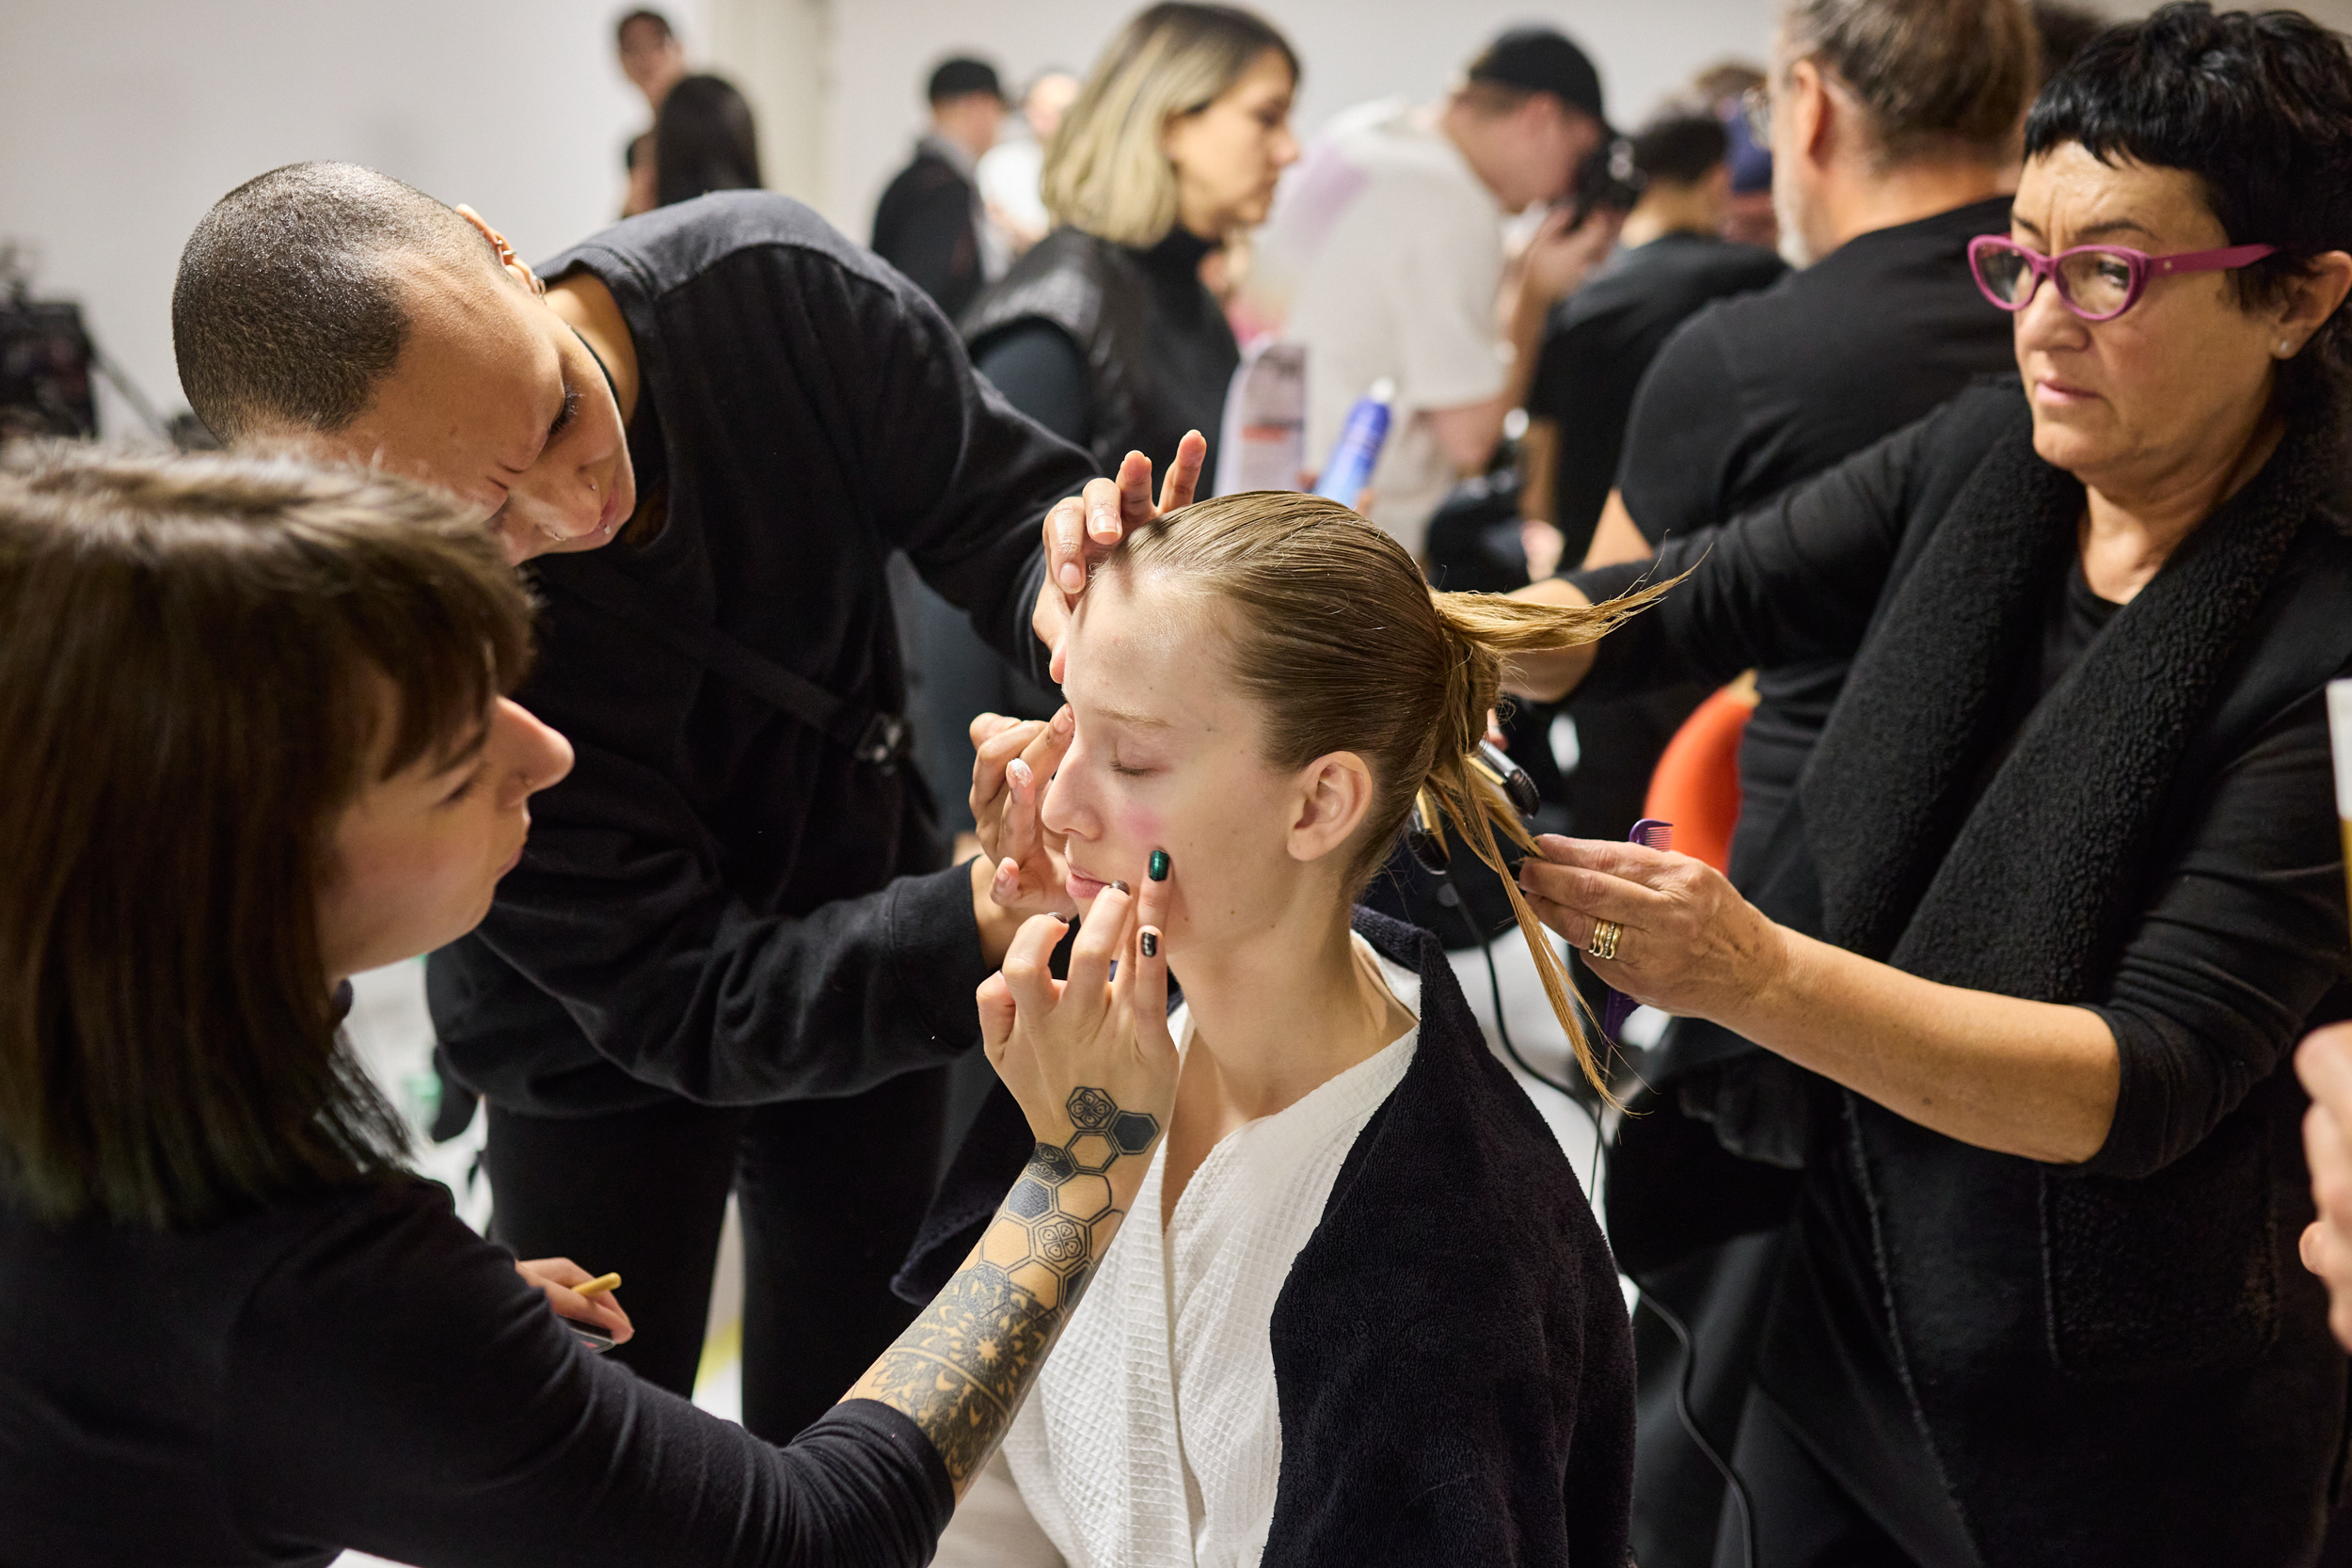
(122, 121)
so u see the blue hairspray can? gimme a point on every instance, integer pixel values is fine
(1350, 468)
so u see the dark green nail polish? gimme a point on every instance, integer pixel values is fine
(1149, 941)
(1158, 867)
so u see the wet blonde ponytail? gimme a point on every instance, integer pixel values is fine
(1482, 629)
(1337, 637)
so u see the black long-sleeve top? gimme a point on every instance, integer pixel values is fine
(707, 906)
(360, 1370)
(2237, 946)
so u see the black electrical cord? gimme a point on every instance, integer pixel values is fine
(1657, 1308)
(1660, 1310)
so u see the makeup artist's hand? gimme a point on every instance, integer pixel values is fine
(555, 1277)
(1016, 758)
(1691, 944)
(1081, 531)
(1061, 1045)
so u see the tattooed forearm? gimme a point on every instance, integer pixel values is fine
(962, 1366)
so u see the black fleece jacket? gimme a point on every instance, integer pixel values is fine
(2124, 1361)
(1450, 1349)
(707, 907)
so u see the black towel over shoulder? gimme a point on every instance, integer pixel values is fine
(1451, 1349)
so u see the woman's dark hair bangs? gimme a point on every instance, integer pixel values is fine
(2257, 105)
(195, 679)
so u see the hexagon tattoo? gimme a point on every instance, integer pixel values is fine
(1061, 1242)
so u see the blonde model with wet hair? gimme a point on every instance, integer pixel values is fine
(1361, 1312)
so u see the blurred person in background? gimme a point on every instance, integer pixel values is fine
(929, 223)
(261, 743)
(2062, 883)
(1105, 333)
(1389, 243)
(729, 951)
(1597, 341)
(704, 141)
(1671, 262)
(654, 62)
(1009, 172)
(1748, 216)
(1893, 126)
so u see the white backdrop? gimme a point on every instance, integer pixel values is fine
(122, 121)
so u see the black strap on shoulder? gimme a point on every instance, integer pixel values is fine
(877, 739)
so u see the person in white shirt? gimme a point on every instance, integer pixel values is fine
(1361, 1312)
(1389, 245)
(1009, 172)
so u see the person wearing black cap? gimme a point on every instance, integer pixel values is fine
(929, 223)
(1389, 243)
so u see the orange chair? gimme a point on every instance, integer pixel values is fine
(1697, 784)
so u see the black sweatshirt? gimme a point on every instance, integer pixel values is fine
(362, 1371)
(707, 907)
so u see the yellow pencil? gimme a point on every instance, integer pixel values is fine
(598, 1286)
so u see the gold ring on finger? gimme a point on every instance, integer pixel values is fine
(1604, 943)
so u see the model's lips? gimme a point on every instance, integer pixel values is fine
(609, 518)
(1082, 887)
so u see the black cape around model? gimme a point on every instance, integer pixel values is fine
(1451, 1349)
(707, 907)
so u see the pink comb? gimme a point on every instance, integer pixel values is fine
(1650, 834)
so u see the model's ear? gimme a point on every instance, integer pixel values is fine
(516, 267)
(1334, 793)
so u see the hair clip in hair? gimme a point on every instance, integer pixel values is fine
(1508, 776)
(1650, 834)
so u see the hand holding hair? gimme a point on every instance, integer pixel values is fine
(1083, 529)
(1685, 941)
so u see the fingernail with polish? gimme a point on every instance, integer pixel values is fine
(1019, 772)
(1122, 887)
(1150, 943)
(1158, 867)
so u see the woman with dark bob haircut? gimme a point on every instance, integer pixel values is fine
(256, 742)
(2060, 887)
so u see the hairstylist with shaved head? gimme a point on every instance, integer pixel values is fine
(726, 947)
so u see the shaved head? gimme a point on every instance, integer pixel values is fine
(290, 308)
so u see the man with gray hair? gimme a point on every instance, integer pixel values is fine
(1893, 126)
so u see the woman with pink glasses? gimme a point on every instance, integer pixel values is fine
(2061, 885)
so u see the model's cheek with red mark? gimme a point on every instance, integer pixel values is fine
(1141, 830)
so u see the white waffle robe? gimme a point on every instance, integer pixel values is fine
(1152, 1439)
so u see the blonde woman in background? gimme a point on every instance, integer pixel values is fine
(1104, 332)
